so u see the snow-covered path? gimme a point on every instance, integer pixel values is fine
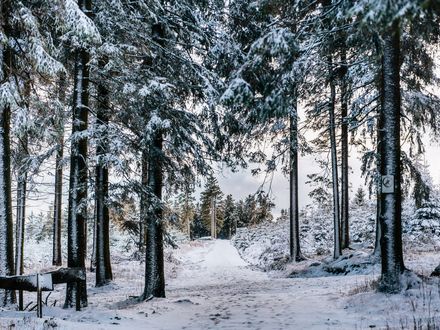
(210, 288)
(215, 289)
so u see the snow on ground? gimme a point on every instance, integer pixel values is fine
(209, 286)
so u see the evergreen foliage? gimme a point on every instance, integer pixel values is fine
(158, 93)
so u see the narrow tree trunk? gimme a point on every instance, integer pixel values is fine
(154, 262)
(188, 227)
(6, 223)
(143, 202)
(390, 206)
(213, 220)
(378, 234)
(21, 212)
(334, 158)
(58, 202)
(93, 254)
(57, 211)
(344, 159)
(103, 264)
(295, 249)
(77, 208)
(20, 223)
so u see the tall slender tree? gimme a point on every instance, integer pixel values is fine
(22, 176)
(345, 198)
(295, 249)
(334, 159)
(58, 199)
(103, 264)
(77, 208)
(6, 224)
(390, 200)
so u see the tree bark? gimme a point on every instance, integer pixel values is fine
(77, 209)
(213, 219)
(376, 251)
(295, 249)
(154, 262)
(345, 198)
(390, 201)
(143, 202)
(6, 223)
(57, 210)
(21, 211)
(378, 235)
(334, 158)
(103, 264)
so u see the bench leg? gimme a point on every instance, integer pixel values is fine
(39, 298)
(20, 300)
(78, 296)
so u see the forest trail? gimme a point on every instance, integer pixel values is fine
(216, 289)
(208, 286)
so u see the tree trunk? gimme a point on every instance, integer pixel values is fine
(93, 254)
(144, 202)
(390, 201)
(103, 264)
(295, 249)
(154, 262)
(20, 222)
(21, 211)
(213, 219)
(6, 223)
(77, 216)
(58, 202)
(378, 235)
(334, 157)
(345, 198)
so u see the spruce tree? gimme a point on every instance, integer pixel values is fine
(77, 204)
(210, 205)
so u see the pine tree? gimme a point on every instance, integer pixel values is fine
(210, 206)
(197, 227)
(249, 211)
(186, 209)
(154, 262)
(22, 178)
(264, 207)
(103, 264)
(57, 215)
(359, 197)
(6, 225)
(390, 202)
(77, 208)
(229, 218)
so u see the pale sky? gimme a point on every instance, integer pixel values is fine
(243, 183)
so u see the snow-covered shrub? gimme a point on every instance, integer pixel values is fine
(267, 245)
(422, 229)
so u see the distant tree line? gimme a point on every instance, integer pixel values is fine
(195, 218)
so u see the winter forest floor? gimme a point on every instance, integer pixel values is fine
(210, 287)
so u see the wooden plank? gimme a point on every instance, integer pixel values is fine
(26, 282)
(68, 275)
